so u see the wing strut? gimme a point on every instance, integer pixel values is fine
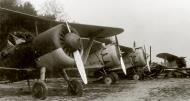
(87, 50)
(36, 27)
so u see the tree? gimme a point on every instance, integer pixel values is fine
(11, 4)
(28, 8)
(53, 9)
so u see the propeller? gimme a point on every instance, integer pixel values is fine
(120, 56)
(78, 61)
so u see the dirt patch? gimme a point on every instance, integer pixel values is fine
(125, 90)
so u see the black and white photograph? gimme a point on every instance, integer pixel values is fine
(94, 50)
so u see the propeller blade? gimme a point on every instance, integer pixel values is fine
(120, 56)
(123, 66)
(145, 49)
(68, 27)
(146, 57)
(80, 66)
(150, 55)
(148, 66)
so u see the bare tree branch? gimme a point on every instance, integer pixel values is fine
(52, 7)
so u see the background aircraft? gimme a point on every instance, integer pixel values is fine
(104, 62)
(55, 47)
(172, 61)
(173, 66)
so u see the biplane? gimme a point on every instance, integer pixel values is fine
(55, 47)
(104, 64)
(109, 66)
(172, 66)
(172, 61)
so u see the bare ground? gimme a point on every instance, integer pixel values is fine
(173, 89)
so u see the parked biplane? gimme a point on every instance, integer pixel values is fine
(56, 47)
(104, 63)
(139, 62)
(172, 66)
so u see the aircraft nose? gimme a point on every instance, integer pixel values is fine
(73, 40)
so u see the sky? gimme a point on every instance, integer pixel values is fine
(163, 24)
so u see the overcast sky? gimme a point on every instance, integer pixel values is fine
(163, 24)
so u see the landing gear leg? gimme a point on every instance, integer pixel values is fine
(74, 86)
(39, 89)
(29, 86)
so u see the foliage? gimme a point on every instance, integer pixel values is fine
(55, 10)
(11, 4)
(27, 7)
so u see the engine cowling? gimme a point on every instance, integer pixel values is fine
(55, 46)
(139, 57)
(110, 56)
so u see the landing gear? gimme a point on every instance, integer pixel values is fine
(136, 77)
(138, 73)
(75, 88)
(108, 80)
(39, 90)
(111, 78)
(107, 76)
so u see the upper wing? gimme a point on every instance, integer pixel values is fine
(44, 24)
(167, 56)
(96, 31)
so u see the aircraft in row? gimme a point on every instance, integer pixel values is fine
(171, 66)
(61, 46)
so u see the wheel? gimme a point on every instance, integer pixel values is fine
(114, 76)
(75, 88)
(170, 74)
(108, 80)
(136, 77)
(39, 90)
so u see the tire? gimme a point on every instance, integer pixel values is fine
(170, 75)
(75, 88)
(108, 80)
(114, 76)
(136, 77)
(39, 90)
